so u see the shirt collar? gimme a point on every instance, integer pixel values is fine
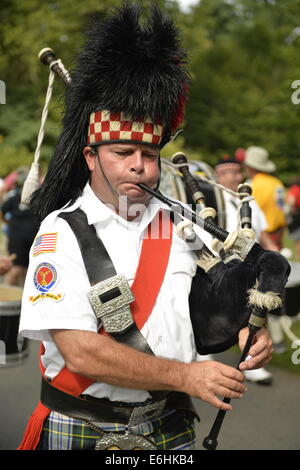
(97, 211)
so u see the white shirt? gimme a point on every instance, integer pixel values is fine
(168, 329)
(258, 221)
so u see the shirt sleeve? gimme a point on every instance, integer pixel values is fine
(56, 286)
(259, 222)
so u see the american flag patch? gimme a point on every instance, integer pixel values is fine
(45, 243)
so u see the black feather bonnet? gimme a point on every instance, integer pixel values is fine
(127, 75)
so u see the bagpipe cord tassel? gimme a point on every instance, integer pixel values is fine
(32, 182)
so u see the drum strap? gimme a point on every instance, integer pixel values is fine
(149, 277)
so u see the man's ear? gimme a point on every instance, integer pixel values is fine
(89, 155)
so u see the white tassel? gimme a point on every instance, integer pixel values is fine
(269, 300)
(206, 260)
(31, 183)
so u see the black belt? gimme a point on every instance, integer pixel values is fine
(102, 410)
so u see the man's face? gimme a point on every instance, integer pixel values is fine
(230, 178)
(117, 168)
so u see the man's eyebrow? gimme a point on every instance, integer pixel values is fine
(150, 150)
(122, 148)
(132, 149)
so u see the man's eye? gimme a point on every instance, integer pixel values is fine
(150, 155)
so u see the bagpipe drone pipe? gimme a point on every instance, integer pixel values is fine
(234, 279)
(237, 283)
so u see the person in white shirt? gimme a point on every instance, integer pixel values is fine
(129, 387)
(229, 174)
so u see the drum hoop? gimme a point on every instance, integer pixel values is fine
(10, 310)
(11, 304)
(15, 358)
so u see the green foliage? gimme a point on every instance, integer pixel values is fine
(243, 58)
(243, 64)
(14, 158)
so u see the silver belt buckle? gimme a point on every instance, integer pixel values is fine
(152, 410)
(111, 300)
(124, 441)
(127, 440)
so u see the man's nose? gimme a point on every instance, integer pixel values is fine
(137, 162)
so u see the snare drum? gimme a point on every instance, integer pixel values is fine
(13, 347)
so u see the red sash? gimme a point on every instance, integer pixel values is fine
(148, 279)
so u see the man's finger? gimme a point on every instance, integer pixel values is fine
(233, 385)
(217, 403)
(232, 373)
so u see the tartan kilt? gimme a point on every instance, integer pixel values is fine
(172, 431)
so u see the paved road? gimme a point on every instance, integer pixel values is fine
(267, 418)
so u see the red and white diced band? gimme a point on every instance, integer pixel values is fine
(110, 127)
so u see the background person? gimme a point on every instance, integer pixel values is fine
(229, 174)
(5, 264)
(21, 228)
(268, 191)
(293, 202)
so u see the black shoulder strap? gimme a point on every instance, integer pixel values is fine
(97, 261)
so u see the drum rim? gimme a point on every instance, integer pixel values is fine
(15, 358)
(11, 304)
(10, 311)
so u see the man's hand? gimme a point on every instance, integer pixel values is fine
(260, 351)
(209, 379)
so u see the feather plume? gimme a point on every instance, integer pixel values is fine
(124, 67)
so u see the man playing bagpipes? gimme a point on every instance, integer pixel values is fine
(121, 303)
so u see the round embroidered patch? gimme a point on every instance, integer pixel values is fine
(45, 276)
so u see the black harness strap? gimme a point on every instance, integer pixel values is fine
(98, 264)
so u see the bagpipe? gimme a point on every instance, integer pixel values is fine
(237, 282)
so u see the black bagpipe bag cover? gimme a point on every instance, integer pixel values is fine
(219, 298)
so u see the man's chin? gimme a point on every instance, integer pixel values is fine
(134, 194)
(138, 198)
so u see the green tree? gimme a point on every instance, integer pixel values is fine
(242, 65)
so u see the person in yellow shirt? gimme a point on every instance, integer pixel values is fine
(268, 191)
